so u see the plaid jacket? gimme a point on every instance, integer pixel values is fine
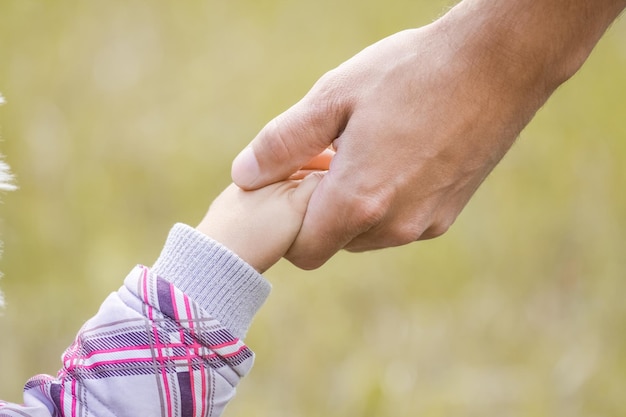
(159, 345)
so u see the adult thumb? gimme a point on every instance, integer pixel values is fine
(288, 142)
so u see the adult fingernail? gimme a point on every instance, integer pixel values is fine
(245, 170)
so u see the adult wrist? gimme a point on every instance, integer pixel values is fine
(531, 45)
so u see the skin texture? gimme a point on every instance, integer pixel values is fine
(260, 225)
(419, 119)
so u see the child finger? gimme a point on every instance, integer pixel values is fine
(321, 161)
(305, 189)
(303, 173)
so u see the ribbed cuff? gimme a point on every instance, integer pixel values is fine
(213, 276)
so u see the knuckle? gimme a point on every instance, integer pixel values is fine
(437, 229)
(328, 84)
(309, 265)
(405, 233)
(305, 262)
(329, 95)
(419, 227)
(369, 212)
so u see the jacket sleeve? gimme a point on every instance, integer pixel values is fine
(167, 343)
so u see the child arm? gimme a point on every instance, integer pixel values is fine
(260, 225)
(153, 350)
(169, 341)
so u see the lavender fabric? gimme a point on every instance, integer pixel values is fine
(154, 349)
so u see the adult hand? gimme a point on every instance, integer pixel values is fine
(419, 119)
(260, 225)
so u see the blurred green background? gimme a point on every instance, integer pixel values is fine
(122, 118)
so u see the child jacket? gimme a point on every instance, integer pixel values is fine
(167, 343)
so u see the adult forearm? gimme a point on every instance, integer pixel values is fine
(536, 43)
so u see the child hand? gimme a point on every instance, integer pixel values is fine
(260, 225)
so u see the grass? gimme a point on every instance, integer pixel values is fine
(122, 118)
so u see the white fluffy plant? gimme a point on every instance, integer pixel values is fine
(6, 184)
(6, 178)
